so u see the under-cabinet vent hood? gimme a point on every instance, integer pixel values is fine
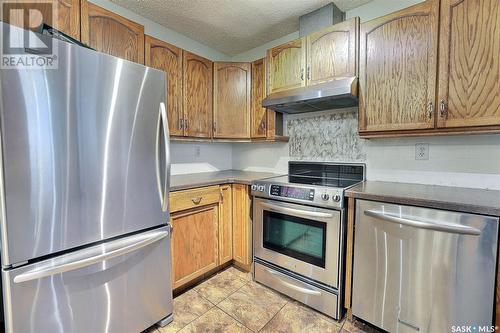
(336, 94)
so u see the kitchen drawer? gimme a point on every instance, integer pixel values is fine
(198, 197)
(317, 298)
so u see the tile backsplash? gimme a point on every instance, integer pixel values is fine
(326, 136)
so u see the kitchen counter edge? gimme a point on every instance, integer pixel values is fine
(467, 200)
(197, 180)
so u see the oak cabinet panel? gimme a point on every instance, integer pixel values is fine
(287, 66)
(225, 224)
(242, 225)
(332, 52)
(197, 95)
(64, 15)
(111, 33)
(258, 113)
(194, 243)
(398, 67)
(232, 82)
(168, 58)
(469, 71)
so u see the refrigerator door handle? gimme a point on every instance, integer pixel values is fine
(163, 188)
(116, 249)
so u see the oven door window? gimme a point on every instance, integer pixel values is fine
(296, 237)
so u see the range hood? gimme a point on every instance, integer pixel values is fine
(336, 94)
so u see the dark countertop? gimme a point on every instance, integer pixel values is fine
(468, 200)
(194, 180)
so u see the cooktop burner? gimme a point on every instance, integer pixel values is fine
(312, 183)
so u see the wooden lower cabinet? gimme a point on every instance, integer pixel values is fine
(211, 227)
(194, 243)
(225, 224)
(242, 226)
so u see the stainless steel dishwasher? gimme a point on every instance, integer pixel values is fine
(423, 270)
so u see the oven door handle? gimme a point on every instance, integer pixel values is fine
(279, 277)
(280, 209)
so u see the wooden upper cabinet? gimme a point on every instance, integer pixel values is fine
(111, 33)
(398, 68)
(332, 52)
(286, 65)
(469, 69)
(232, 99)
(64, 15)
(166, 57)
(225, 225)
(197, 95)
(258, 113)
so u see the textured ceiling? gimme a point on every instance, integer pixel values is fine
(231, 26)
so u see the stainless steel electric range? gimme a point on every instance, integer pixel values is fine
(299, 226)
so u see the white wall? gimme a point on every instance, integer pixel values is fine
(200, 157)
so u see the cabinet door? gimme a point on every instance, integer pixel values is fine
(194, 243)
(111, 33)
(469, 69)
(287, 66)
(332, 52)
(398, 69)
(242, 230)
(64, 15)
(258, 113)
(197, 87)
(232, 100)
(225, 224)
(166, 57)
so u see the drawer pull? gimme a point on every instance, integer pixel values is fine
(196, 201)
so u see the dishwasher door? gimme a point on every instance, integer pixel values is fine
(423, 270)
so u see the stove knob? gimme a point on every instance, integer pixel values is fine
(325, 196)
(261, 188)
(336, 198)
(254, 187)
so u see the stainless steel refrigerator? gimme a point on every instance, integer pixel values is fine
(84, 195)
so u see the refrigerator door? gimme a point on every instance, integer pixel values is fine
(85, 152)
(423, 270)
(119, 286)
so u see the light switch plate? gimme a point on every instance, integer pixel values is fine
(421, 151)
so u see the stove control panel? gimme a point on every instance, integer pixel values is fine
(320, 196)
(292, 192)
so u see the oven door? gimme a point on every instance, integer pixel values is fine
(305, 240)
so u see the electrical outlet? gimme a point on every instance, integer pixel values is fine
(421, 151)
(197, 151)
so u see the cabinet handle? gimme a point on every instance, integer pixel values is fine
(186, 124)
(196, 200)
(302, 74)
(443, 109)
(215, 126)
(430, 109)
(308, 72)
(221, 195)
(181, 125)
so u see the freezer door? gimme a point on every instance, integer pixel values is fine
(423, 270)
(119, 286)
(85, 152)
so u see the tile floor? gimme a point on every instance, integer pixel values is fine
(231, 302)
